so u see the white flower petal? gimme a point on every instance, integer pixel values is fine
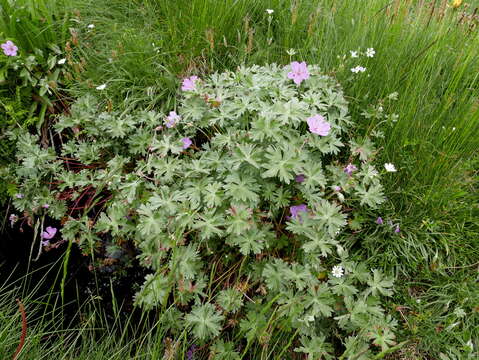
(390, 167)
(62, 61)
(370, 52)
(101, 87)
(337, 271)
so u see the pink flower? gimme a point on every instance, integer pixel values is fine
(9, 48)
(379, 220)
(295, 210)
(172, 119)
(299, 178)
(317, 125)
(350, 169)
(45, 206)
(299, 72)
(186, 142)
(189, 84)
(49, 233)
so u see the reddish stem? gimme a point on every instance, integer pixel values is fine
(24, 329)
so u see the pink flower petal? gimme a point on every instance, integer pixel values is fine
(317, 125)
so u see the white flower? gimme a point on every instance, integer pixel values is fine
(270, 11)
(358, 69)
(291, 52)
(354, 54)
(338, 271)
(91, 26)
(61, 61)
(390, 167)
(393, 96)
(101, 87)
(370, 52)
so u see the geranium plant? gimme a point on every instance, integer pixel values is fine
(236, 202)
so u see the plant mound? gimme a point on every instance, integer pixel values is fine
(236, 202)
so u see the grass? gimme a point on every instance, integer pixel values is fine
(425, 51)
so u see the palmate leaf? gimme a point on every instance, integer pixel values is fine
(162, 146)
(251, 241)
(360, 313)
(185, 262)
(278, 196)
(150, 223)
(343, 287)
(314, 175)
(116, 127)
(196, 168)
(378, 284)
(319, 300)
(326, 144)
(316, 348)
(213, 194)
(362, 147)
(242, 189)
(230, 300)
(239, 220)
(266, 128)
(221, 350)
(167, 200)
(330, 217)
(382, 336)
(114, 221)
(209, 225)
(373, 196)
(139, 141)
(254, 324)
(165, 170)
(274, 274)
(194, 108)
(357, 348)
(248, 153)
(369, 175)
(85, 152)
(205, 321)
(281, 162)
(154, 291)
(129, 187)
(300, 276)
(290, 112)
(322, 243)
(194, 190)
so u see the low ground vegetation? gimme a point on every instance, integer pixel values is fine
(268, 207)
